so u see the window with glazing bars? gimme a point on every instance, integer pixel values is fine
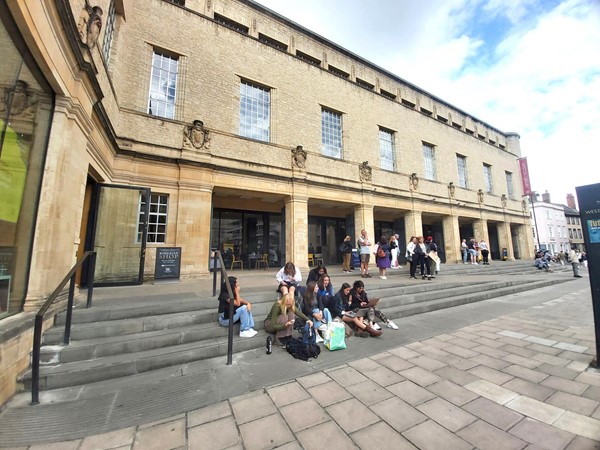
(331, 133)
(255, 111)
(509, 186)
(386, 149)
(487, 176)
(429, 161)
(163, 85)
(157, 219)
(461, 164)
(108, 32)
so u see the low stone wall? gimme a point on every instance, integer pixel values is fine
(16, 341)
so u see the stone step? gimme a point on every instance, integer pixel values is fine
(172, 347)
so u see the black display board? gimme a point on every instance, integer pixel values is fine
(588, 198)
(168, 262)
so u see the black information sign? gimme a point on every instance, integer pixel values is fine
(588, 198)
(168, 262)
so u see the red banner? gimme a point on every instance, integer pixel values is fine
(525, 176)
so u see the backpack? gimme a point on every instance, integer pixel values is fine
(305, 347)
(381, 252)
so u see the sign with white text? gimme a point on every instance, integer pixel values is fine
(168, 262)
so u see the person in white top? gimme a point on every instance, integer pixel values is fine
(288, 277)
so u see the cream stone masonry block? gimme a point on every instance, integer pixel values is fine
(491, 391)
(580, 425)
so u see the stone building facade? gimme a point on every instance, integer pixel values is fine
(238, 129)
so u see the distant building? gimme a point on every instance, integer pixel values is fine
(574, 223)
(549, 220)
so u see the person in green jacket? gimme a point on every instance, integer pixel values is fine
(280, 319)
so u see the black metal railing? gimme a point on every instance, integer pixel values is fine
(218, 263)
(39, 317)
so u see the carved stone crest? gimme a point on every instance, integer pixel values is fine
(196, 136)
(18, 100)
(299, 157)
(365, 172)
(90, 24)
(480, 196)
(503, 200)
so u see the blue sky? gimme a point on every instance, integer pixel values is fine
(528, 66)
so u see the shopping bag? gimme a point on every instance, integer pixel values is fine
(335, 336)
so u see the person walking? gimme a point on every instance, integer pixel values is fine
(464, 250)
(574, 258)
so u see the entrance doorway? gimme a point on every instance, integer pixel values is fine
(118, 224)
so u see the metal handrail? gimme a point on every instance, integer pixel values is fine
(218, 258)
(39, 318)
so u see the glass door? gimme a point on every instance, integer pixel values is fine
(120, 226)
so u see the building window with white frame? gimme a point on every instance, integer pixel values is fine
(163, 85)
(429, 161)
(510, 191)
(461, 164)
(487, 177)
(331, 133)
(109, 31)
(157, 219)
(550, 231)
(255, 111)
(386, 149)
(579, 235)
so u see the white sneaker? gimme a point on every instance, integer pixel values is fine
(392, 325)
(253, 331)
(383, 278)
(318, 339)
(247, 333)
(376, 327)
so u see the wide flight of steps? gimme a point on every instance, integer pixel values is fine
(124, 337)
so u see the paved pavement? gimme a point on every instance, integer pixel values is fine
(509, 373)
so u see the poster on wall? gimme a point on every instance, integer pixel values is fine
(168, 263)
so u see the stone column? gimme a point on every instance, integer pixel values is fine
(413, 224)
(480, 230)
(452, 239)
(526, 246)
(363, 219)
(296, 231)
(194, 212)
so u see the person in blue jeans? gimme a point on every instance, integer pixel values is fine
(312, 306)
(242, 308)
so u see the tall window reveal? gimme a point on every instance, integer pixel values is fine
(487, 176)
(461, 164)
(255, 111)
(109, 32)
(386, 148)
(429, 161)
(509, 186)
(331, 134)
(157, 220)
(163, 85)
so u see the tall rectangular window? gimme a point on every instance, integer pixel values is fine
(255, 111)
(331, 133)
(429, 161)
(509, 186)
(163, 85)
(461, 164)
(487, 177)
(386, 149)
(109, 32)
(550, 231)
(157, 219)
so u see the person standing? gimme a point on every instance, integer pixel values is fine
(412, 257)
(364, 249)
(574, 258)
(472, 251)
(394, 251)
(346, 249)
(464, 250)
(431, 249)
(382, 257)
(483, 248)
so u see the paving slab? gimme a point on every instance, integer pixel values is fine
(431, 436)
(573, 403)
(499, 416)
(351, 415)
(287, 393)
(304, 414)
(265, 433)
(529, 389)
(542, 434)
(446, 414)
(165, 436)
(487, 437)
(578, 424)
(381, 436)
(535, 409)
(370, 392)
(328, 435)
(398, 414)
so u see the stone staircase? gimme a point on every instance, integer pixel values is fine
(124, 337)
